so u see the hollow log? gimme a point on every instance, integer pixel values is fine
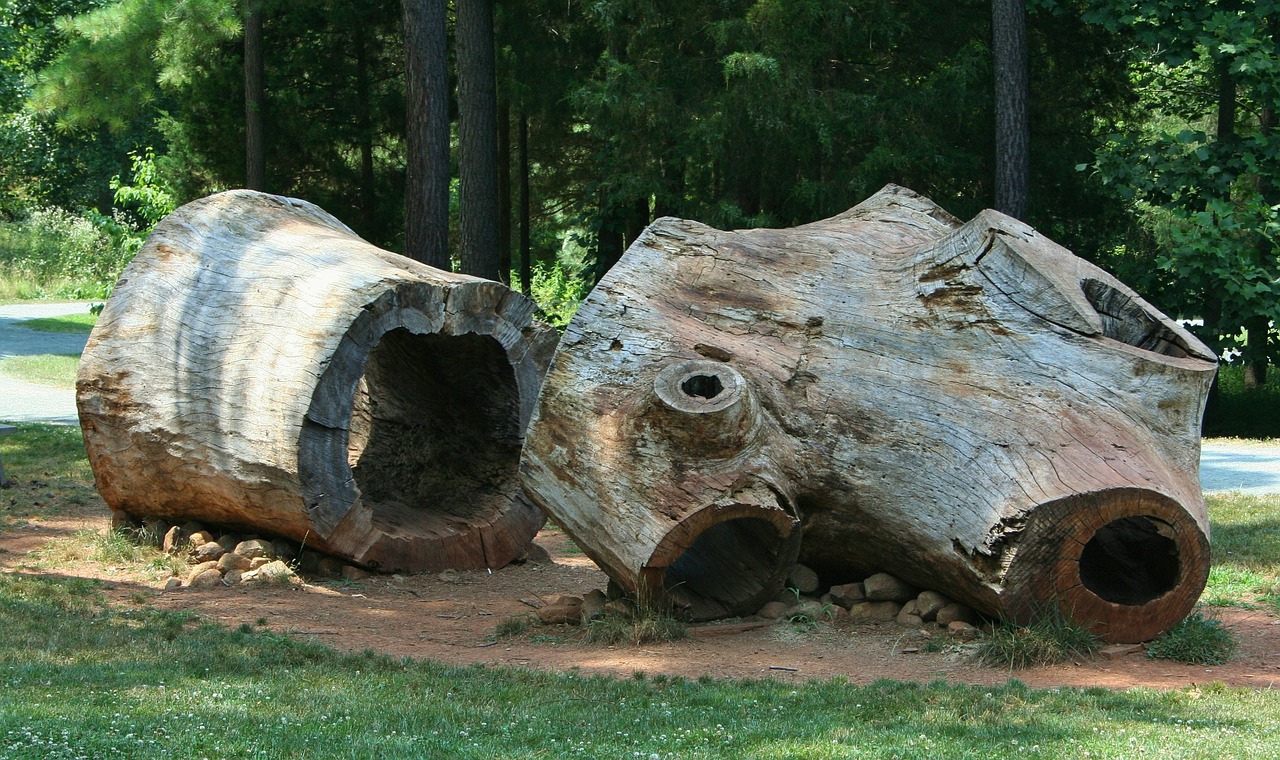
(968, 406)
(261, 366)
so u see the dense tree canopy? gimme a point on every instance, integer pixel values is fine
(732, 112)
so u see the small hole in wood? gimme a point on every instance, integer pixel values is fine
(702, 386)
(1129, 561)
(726, 568)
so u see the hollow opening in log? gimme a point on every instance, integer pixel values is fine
(434, 443)
(1129, 561)
(1125, 320)
(703, 386)
(726, 569)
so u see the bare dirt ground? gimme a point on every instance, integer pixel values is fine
(452, 617)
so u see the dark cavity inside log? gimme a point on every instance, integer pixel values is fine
(1129, 561)
(435, 434)
(726, 570)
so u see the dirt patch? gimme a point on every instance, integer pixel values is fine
(451, 617)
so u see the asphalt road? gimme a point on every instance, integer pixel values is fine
(1248, 467)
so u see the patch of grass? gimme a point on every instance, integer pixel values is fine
(512, 626)
(70, 323)
(55, 370)
(115, 550)
(1245, 538)
(1197, 640)
(643, 628)
(84, 679)
(1051, 639)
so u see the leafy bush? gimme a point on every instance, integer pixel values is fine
(1051, 639)
(1240, 412)
(1197, 640)
(65, 254)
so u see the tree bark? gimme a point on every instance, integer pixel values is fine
(368, 188)
(255, 158)
(504, 192)
(261, 366)
(526, 267)
(477, 139)
(426, 216)
(967, 406)
(1013, 123)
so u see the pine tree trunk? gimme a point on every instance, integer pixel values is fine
(260, 366)
(965, 405)
(526, 267)
(477, 139)
(255, 158)
(1013, 124)
(504, 191)
(426, 215)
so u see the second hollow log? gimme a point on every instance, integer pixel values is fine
(261, 366)
(966, 405)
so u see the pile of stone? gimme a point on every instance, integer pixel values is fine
(879, 598)
(231, 559)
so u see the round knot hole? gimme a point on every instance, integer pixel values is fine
(702, 386)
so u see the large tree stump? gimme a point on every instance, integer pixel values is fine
(260, 365)
(967, 406)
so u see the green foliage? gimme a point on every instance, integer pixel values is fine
(558, 288)
(648, 626)
(1052, 638)
(147, 194)
(1197, 640)
(1239, 411)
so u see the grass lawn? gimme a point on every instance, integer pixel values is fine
(71, 323)
(84, 678)
(55, 370)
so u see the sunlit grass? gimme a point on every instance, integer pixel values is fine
(1245, 545)
(68, 323)
(85, 679)
(53, 370)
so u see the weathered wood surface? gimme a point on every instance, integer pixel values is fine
(259, 365)
(965, 405)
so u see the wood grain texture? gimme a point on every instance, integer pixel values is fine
(965, 405)
(259, 365)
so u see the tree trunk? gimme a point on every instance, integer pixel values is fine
(504, 192)
(477, 139)
(426, 213)
(1013, 123)
(526, 267)
(967, 406)
(261, 366)
(255, 154)
(368, 188)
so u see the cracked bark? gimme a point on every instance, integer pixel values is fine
(966, 405)
(261, 366)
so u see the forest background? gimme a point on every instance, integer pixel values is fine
(534, 140)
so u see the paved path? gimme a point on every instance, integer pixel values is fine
(1251, 468)
(27, 402)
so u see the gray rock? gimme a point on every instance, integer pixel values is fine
(233, 577)
(229, 541)
(208, 578)
(200, 568)
(271, 571)
(928, 604)
(254, 548)
(353, 573)
(803, 579)
(874, 612)
(566, 609)
(962, 630)
(883, 587)
(232, 561)
(174, 539)
(200, 537)
(173, 583)
(953, 612)
(810, 608)
(537, 554)
(329, 567)
(209, 551)
(909, 619)
(848, 594)
(774, 610)
(593, 605)
(258, 562)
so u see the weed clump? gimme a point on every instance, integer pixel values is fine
(1051, 639)
(1197, 640)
